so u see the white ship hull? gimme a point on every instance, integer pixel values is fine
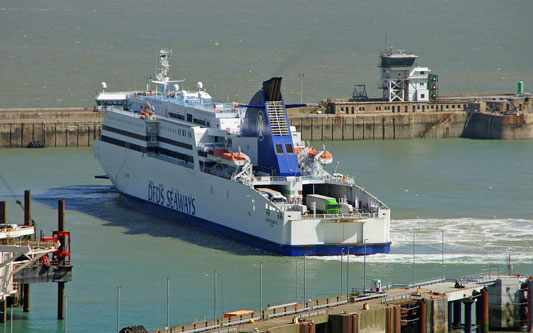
(234, 209)
(235, 169)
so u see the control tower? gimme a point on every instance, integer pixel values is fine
(402, 81)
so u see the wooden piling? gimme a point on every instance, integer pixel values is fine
(529, 304)
(27, 221)
(61, 300)
(468, 314)
(484, 323)
(3, 212)
(61, 259)
(422, 328)
(27, 207)
(3, 308)
(456, 314)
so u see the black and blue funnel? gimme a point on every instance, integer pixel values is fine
(266, 119)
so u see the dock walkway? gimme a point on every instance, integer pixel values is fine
(433, 307)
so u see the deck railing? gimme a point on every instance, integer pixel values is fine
(358, 215)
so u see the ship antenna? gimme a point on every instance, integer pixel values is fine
(338, 162)
(164, 66)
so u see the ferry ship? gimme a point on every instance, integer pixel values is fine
(238, 170)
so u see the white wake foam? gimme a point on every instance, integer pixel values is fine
(466, 241)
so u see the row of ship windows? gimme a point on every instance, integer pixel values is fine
(188, 159)
(189, 119)
(125, 133)
(177, 131)
(127, 122)
(145, 138)
(175, 143)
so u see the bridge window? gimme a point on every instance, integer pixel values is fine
(279, 149)
(288, 148)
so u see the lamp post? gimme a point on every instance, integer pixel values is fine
(222, 291)
(347, 271)
(342, 254)
(301, 76)
(118, 308)
(364, 267)
(296, 266)
(414, 260)
(261, 288)
(442, 237)
(215, 295)
(305, 287)
(168, 303)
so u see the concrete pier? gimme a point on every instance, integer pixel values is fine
(54, 127)
(385, 126)
(426, 308)
(79, 127)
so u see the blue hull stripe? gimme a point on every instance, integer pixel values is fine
(286, 250)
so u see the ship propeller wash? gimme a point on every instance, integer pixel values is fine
(239, 170)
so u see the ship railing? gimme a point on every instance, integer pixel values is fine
(343, 179)
(346, 216)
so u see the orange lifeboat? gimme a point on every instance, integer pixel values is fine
(235, 158)
(219, 152)
(324, 158)
(312, 152)
(227, 157)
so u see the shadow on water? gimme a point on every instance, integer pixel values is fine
(106, 203)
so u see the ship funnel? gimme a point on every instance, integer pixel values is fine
(272, 89)
(266, 118)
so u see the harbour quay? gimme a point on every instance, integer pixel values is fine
(480, 303)
(414, 125)
(411, 106)
(49, 127)
(79, 127)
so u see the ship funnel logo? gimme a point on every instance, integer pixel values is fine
(260, 125)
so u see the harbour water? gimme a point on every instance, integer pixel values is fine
(56, 53)
(478, 192)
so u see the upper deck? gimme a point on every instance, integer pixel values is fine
(199, 100)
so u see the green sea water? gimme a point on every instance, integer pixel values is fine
(478, 192)
(56, 53)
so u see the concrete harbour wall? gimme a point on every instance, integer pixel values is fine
(380, 126)
(506, 127)
(79, 127)
(384, 126)
(73, 127)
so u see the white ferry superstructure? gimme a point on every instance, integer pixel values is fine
(238, 170)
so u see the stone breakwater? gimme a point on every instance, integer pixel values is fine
(79, 127)
(53, 127)
(414, 125)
